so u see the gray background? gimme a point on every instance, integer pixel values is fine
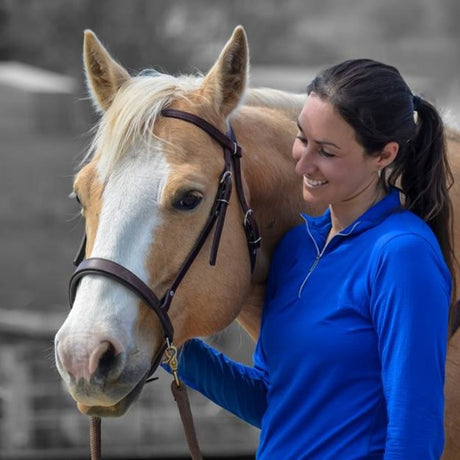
(45, 118)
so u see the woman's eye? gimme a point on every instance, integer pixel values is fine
(326, 154)
(302, 139)
(188, 201)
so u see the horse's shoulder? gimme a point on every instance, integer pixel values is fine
(453, 135)
(250, 315)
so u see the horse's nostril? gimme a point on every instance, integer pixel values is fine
(82, 357)
(103, 359)
(107, 360)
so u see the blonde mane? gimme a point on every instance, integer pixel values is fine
(139, 102)
(133, 112)
(289, 103)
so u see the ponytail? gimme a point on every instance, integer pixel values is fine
(425, 179)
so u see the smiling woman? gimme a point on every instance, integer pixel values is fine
(369, 281)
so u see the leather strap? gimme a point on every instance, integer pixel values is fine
(81, 252)
(230, 146)
(180, 395)
(183, 404)
(110, 269)
(225, 141)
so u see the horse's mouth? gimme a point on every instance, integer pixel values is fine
(118, 409)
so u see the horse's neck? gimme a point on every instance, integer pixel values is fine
(289, 103)
(266, 133)
(453, 146)
(266, 136)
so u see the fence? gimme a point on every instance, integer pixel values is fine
(39, 420)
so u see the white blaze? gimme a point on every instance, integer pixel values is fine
(127, 222)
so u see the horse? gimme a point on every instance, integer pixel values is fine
(151, 181)
(451, 389)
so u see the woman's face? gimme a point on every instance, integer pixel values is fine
(333, 165)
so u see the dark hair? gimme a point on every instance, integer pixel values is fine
(378, 104)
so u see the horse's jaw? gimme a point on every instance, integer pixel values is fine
(116, 410)
(99, 406)
(104, 398)
(104, 360)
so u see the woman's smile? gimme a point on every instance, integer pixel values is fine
(314, 183)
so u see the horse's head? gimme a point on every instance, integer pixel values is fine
(146, 193)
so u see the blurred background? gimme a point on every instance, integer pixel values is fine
(45, 121)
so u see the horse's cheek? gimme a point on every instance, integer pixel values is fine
(148, 333)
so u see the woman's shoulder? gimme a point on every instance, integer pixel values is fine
(404, 227)
(405, 239)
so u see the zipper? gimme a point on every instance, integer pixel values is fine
(319, 254)
(315, 262)
(310, 271)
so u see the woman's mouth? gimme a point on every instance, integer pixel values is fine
(313, 183)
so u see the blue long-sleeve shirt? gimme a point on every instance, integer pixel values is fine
(350, 359)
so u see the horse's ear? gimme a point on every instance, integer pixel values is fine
(104, 76)
(226, 82)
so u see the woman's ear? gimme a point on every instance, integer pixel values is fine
(387, 155)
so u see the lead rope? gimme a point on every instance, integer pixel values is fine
(95, 438)
(179, 391)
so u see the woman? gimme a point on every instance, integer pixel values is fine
(350, 359)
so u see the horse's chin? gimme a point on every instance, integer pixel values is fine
(118, 409)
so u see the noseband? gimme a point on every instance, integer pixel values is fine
(120, 274)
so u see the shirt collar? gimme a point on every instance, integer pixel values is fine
(318, 226)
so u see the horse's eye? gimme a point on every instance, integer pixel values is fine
(187, 201)
(74, 196)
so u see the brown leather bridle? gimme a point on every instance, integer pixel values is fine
(110, 269)
(113, 270)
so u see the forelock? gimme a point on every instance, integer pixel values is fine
(130, 118)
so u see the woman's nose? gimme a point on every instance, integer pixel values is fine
(305, 162)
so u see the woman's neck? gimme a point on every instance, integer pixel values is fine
(346, 212)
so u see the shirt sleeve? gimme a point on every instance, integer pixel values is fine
(409, 306)
(237, 388)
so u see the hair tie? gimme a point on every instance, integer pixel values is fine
(417, 101)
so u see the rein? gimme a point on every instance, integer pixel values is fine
(110, 269)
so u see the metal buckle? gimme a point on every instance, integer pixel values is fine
(248, 213)
(225, 175)
(235, 148)
(171, 360)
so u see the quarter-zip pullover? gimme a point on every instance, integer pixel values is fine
(350, 360)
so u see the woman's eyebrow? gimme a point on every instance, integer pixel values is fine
(319, 141)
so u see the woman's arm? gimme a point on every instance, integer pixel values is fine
(410, 302)
(237, 388)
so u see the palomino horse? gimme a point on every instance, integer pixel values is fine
(147, 192)
(452, 389)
